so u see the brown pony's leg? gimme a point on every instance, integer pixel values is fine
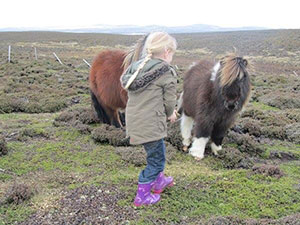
(122, 118)
(117, 118)
(99, 108)
(114, 117)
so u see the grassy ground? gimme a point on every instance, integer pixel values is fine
(62, 167)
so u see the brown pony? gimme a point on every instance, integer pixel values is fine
(107, 94)
(213, 94)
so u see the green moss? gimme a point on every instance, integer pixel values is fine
(264, 107)
(68, 135)
(281, 146)
(51, 156)
(14, 214)
(14, 116)
(292, 169)
(233, 193)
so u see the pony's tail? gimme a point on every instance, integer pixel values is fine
(179, 104)
(102, 115)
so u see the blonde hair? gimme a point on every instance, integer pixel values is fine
(155, 45)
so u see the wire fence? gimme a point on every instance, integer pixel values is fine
(9, 54)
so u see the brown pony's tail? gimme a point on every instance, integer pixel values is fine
(102, 116)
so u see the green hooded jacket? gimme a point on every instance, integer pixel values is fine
(151, 100)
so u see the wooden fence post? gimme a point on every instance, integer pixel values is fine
(57, 58)
(35, 53)
(86, 62)
(9, 49)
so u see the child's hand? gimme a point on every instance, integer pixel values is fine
(173, 117)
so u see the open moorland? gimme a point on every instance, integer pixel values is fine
(59, 165)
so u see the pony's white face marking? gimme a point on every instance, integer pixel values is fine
(198, 147)
(215, 148)
(215, 71)
(186, 127)
(192, 65)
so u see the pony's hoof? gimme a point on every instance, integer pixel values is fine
(216, 153)
(215, 148)
(198, 158)
(185, 148)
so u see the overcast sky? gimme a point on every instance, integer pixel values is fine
(224, 13)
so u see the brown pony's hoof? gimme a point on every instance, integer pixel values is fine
(185, 148)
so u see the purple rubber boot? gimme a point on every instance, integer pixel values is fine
(162, 182)
(144, 196)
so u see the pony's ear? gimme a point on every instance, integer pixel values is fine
(245, 62)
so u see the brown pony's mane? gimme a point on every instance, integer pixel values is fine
(135, 52)
(233, 67)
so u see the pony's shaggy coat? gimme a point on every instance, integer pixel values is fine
(212, 97)
(107, 94)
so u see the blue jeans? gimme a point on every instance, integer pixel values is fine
(156, 160)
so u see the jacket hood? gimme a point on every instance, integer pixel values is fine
(152, 70)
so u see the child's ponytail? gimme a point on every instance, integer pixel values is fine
(155, 44)
(141, 66)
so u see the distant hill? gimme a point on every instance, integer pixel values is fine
(131, 29)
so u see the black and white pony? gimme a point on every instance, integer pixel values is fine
(213, 94)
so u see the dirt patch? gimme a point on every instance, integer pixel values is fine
(17, 193)
(11, 104)
(259, 129)
(39, 87)
(107, 134)
(78, 118)
(73, 116)
(281, 100)
(283, 156)
(83, 128)
(292, 114)
(267, 170)
(270, 118)
(174, 135)
(293, 132)
(88, 205)
(250, 126)
(232, 158)
(228, 220)
(3, 147)
(33, 133)
(245, 142)
(137, 155)
(282, 125)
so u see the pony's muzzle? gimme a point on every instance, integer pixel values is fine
(231, 105)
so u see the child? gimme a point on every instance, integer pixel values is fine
(151, 100)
